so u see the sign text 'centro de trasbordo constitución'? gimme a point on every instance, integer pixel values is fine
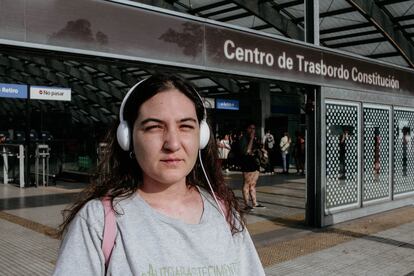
(299, 63)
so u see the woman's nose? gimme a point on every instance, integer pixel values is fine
(172, 140)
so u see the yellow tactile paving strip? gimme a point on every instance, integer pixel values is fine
(275, 224)
(331, 236)
(289, 249)
(37, 227)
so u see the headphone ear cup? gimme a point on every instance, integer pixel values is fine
(204, 134)
(123, 135)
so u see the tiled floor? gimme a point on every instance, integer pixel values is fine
(382, 244)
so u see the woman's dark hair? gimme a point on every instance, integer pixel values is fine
(117, 175)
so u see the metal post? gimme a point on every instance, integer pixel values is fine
(47, 166)
(5, 166)
(37, 166)
(27, 142)
(21, 166)
(43, 169)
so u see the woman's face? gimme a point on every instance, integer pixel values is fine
(166, 137)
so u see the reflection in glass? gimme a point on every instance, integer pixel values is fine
(376, 182)
(342, 162)
(342, 153)
(377, 141)
(406, 139)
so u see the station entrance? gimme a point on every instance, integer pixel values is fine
(246, 75)
(62, 140)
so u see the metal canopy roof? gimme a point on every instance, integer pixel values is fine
(379, 29)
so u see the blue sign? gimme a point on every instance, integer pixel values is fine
(227, 104)
(16, 91)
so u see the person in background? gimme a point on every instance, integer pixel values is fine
(250, 166)
(172, 212)
(224, 149)
(284, 144)
(265, 161)
(300, 153)
(234, 157)
(269, 145)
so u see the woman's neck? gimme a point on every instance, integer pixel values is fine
(159, 191)
(177, 201)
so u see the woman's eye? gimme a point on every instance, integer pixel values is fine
(153, 127)
(187, 127)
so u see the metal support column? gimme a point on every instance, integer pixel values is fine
(312, 21)
(311, 158)
(27, 144)
(22, 174)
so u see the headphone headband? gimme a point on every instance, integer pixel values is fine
(124, 133)
(124, 101)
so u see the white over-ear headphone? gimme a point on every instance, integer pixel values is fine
(123, 133)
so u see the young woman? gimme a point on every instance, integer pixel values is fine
(167, 219)
(250, 166)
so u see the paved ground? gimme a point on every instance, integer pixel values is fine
(381, 244)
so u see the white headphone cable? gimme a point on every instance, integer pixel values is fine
(209, 184)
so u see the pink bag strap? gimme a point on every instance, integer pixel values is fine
(109, 234)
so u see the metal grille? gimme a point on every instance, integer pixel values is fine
(376, 154)
(403, 151)
(341, 166)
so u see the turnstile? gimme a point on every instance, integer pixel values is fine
(11, 151)
(42, 155)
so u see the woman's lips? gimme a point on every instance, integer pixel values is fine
(172, 161)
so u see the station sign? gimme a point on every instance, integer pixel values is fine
(50, 93)
(190, 42)
(15, 91)
(227, 104)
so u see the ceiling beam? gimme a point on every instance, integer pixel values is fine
(352, 35)
(288, 5)
(210, 6)
(372, 12)
(221, 11)
(357, 42)
(267, 13)
(234, 16)
(389, 2)
(229, 84)
(345, 28)
(384, 55)
(15, 69)
(19, 108)
(326, 14)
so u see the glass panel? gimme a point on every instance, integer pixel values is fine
(341, 155)
(376, 154)
(403, 151)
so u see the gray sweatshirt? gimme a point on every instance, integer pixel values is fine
(152, 244)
